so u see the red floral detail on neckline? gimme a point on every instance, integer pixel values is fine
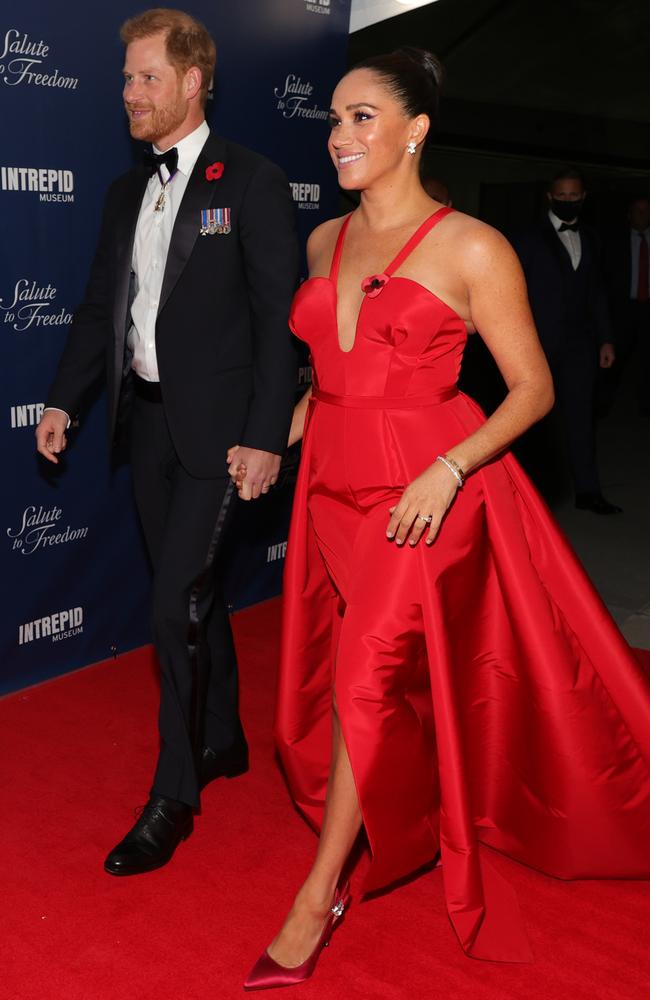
(373, 285)
(214, 171)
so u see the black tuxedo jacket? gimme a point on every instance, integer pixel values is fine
(567, 305)
(618, 268)
(225, 355)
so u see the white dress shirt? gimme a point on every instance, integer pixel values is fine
(152, 237)
(635, 245)
(570, 240)
(153, 233)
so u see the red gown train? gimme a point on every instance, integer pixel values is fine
(484, 692)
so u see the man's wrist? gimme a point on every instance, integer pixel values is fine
(266, 451)
(57, 409)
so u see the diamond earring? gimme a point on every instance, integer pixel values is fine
(411, 147)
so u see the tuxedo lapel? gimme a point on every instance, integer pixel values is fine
(125, 236)
(198, 195)
(587, 249)
(556, 245)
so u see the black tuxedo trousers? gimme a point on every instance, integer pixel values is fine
(575, 370)
(184, 520)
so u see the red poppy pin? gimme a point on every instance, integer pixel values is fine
(374, 284)
(214, 171)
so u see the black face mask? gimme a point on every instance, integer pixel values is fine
(567, 210)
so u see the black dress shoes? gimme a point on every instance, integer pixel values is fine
(154, 838)
(596, 502)
(228, 763)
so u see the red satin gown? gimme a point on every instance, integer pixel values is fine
(485, 695)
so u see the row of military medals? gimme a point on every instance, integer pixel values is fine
(215, 220)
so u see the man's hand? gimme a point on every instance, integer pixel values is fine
(50, 434)
(252, 471)
(607, 355)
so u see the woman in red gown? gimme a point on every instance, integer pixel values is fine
(449, 677)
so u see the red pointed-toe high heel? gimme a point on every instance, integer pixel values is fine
(267, 974)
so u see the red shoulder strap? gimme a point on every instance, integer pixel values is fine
(338, 250)
(417, 236)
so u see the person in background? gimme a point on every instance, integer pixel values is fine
(627, 267)
(562, 263)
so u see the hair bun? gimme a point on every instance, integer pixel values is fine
(427, 62)
(413, 76)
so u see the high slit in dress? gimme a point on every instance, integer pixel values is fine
(485, 695)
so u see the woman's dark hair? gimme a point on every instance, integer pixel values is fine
(413, 76)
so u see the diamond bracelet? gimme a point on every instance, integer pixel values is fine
(454, 468)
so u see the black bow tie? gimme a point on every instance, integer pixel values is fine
(573, 226)
(154, 161)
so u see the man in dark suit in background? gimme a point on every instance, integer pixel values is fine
(561, 260)
(627, 267)
(186, 313)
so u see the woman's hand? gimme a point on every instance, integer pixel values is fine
(236, 470)
(423, 505)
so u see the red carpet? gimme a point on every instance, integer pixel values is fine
(77, 757)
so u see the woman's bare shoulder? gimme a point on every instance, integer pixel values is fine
(477, 243)
(321, 241)
(322, 235)
(468, 227)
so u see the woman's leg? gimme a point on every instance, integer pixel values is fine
(341, 825)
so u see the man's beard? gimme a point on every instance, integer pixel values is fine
(159, 123)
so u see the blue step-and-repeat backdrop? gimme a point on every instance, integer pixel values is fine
(74, 571)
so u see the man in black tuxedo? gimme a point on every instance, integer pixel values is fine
(561, 261)
(186, 313)
(627, 259)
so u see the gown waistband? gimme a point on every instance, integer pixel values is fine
(385, 402)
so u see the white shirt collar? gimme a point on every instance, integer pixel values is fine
(556, 221)
(189, 148)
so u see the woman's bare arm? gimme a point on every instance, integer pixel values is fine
(499, 309)
(498, 305)
(298, 419)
